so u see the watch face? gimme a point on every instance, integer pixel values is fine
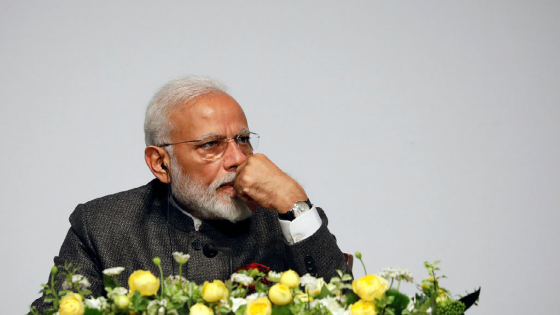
(300, 208)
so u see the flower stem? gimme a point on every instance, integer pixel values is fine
(116, 281)
(180, 271)
(157, 262)
(161, 277)
(55, 302)
(399, 286)
(365, 271)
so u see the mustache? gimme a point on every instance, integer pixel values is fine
(229, 178)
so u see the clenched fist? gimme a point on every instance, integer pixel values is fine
(261, 182)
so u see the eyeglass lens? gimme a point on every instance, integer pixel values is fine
(213, 149)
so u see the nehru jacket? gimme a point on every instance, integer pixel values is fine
(130, 228)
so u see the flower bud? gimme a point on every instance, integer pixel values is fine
(122, 301)
(144, 282)
(157, 261)
(290, 278)
(280, 294)
(201, 309)
(215, 291)
(358, 255)
(54, 270)
(181, 258)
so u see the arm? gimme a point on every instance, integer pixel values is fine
(310, 247)
(77, 249)
(318, 254)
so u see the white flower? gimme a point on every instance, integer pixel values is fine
(79, 280)
(331, 303)
(181, 258)
(113, 271)
(236, 303)
(397, 274)
(255, 296)
(112, 294)
(172, 280)
(99, 304)
(157, 306)
(158, 302)
(242, 278)
(274, 276)
(308, 281)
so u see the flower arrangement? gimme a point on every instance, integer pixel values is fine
(252, 290)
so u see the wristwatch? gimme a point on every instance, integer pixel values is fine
(300, 207)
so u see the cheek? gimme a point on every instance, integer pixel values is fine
(207, 173)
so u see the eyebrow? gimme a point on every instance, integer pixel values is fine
(212, 135)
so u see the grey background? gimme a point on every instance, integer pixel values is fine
(426, 129)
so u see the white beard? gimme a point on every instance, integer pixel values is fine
(203, 201)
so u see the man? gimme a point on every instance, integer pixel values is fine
(213, 198)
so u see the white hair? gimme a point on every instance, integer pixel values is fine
(171, 98)
(203, 201)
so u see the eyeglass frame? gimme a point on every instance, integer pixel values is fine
(235, 139)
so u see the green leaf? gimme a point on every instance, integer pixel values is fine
(183, 310)
(324, 293)
(241, 310)
(108, 282)
(281, 310)
(139, 303)
(352, 298)
(93, 311)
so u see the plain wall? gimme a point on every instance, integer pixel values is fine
(427, 130)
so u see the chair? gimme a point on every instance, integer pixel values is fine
(349, 260)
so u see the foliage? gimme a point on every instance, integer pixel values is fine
(248, 292)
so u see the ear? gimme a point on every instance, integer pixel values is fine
(155, 157)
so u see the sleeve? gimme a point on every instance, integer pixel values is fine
(301, 227)
(78, 249)
(318, 254)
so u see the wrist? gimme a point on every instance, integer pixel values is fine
(299, 208)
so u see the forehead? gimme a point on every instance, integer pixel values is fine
(217, 114)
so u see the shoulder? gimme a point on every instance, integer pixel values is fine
(121, 207)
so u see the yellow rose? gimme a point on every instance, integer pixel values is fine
(363, 308)
(280, 294)
(442, 296)
(201, 309)
(144, 282)
(260, 306)
(426, 288)
(370, 287)
(122, 301)
(215, 291)
(71, 304)
(290, 278)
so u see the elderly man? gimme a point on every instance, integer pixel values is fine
(212, 198)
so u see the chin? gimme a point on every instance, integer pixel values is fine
(232, 209)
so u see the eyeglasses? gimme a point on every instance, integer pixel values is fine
(212, 147)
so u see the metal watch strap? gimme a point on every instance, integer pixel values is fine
(290, 215)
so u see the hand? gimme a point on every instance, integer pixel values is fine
(261, 182)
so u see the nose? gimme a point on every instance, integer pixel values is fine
(233, 157)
